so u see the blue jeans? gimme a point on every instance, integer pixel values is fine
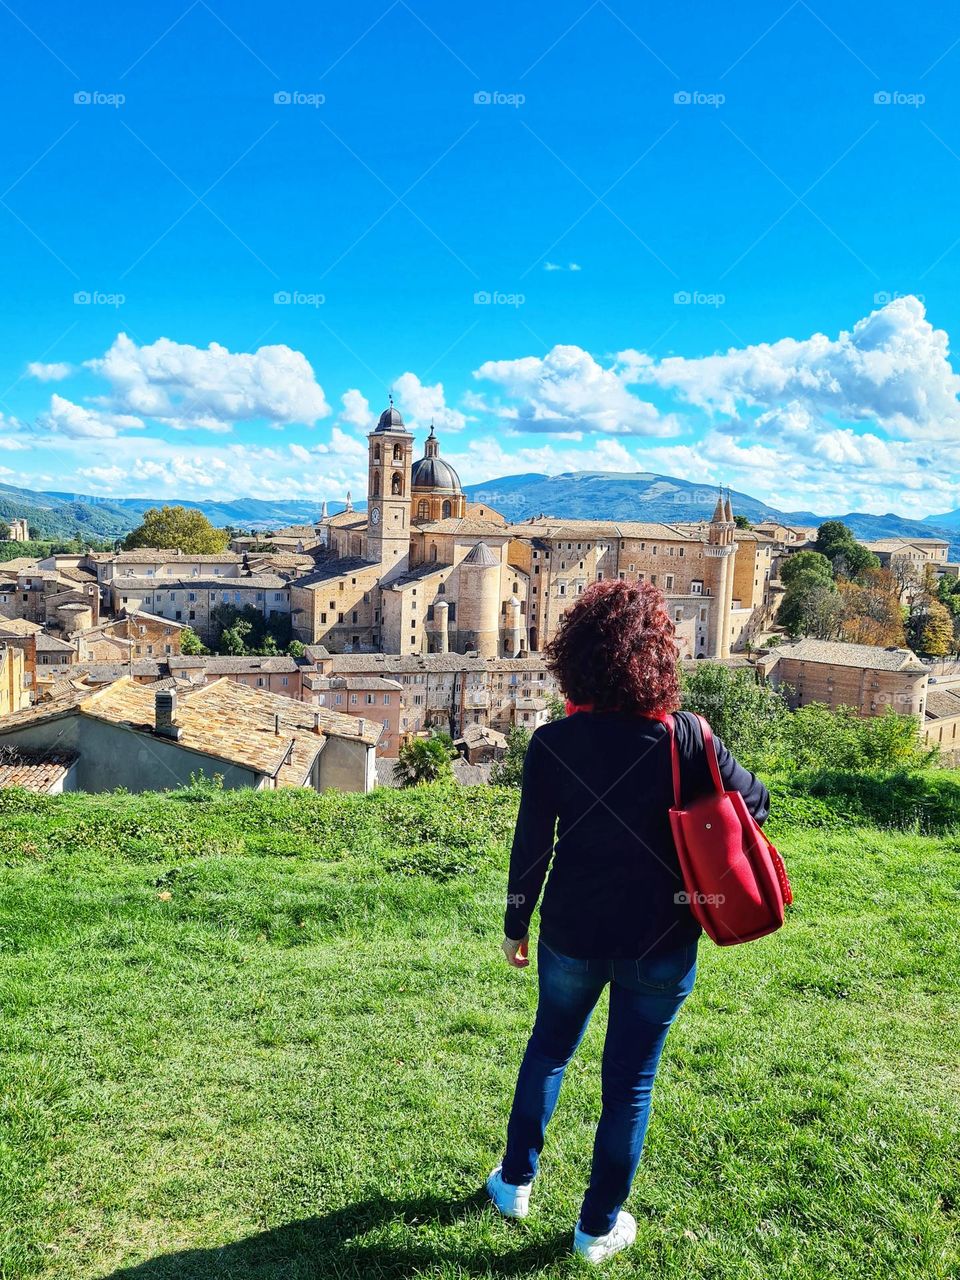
(645, 997)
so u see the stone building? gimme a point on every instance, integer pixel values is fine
(424, 571)
(156, 739)
(193, 600)
(19, 529)
(867, 677)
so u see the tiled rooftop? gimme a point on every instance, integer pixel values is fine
(329, 570)
(34, 770)
(471, 526)
(387, 663)
(19, 627)
(838, 653)
(228, 665)
(253, 581)
(162, 555)
(569, 530)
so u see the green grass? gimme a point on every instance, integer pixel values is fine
(300, 1063)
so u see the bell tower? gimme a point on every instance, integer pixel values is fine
(388, 493)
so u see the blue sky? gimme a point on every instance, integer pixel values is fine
(716, 241)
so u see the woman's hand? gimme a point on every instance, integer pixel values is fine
(516, 952)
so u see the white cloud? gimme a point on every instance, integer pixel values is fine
(69, 419)
(49, 372)
(182, 384)
(891, 368)
(557, 266)
(486, 459)
(356, 411)
(11, 434)
(422, 404)
(567, 390)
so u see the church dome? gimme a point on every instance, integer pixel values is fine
(390, 420)
(431, 472)
(434, 473)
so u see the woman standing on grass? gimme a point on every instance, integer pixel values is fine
(597, 788)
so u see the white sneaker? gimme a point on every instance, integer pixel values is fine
(599, 1248)
(512, 1202)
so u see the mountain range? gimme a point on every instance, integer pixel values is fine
(583, 495)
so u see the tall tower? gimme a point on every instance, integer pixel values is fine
(388, 493)
(721, 547)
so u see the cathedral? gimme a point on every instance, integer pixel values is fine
(422, 570)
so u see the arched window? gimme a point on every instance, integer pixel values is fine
(396, 484)
(376, 484)
(376, 453)
(397, 453)
(423, 509)
(447, 509)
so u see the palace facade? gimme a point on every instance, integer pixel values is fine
(422, 570)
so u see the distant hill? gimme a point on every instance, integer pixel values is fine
(949, 521)
(644, 495)
(580, 495)
(67, 515)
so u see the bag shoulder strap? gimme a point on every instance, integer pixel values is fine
(674, 759)
(710, 749)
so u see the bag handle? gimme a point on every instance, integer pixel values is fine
(710, 748)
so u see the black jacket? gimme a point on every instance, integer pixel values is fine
(602, 783)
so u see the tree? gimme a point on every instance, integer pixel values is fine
(556, 707)
(233, 640)
(190, 643)
(297, 649)
(811, 606)
(848, 557)
(423, 760)
(746, 714)
(4, 531)
(936, 638)
(742, 522)
(508, 772)
(805, 562)
(871, 610)
(185, 529)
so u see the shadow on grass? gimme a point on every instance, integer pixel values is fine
(333, 1245)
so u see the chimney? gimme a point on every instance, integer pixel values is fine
(165, 703)
(276, 724)
(316, 722)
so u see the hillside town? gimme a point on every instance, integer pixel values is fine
(422, 613)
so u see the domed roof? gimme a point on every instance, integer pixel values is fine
(390, 419)
(481, 555)
(434, 473)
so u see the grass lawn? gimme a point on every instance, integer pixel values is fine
(272, 1037)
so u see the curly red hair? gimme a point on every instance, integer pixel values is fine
(615, 650)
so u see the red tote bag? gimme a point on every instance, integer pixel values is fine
(735, 879)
